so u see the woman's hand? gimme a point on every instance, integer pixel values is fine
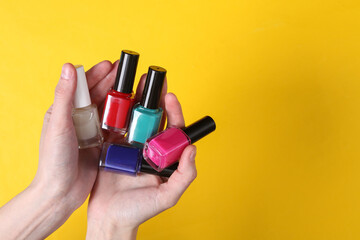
(65, 174)
(120, 203)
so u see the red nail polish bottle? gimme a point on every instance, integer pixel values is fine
(120, 99)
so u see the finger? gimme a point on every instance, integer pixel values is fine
(88, 169)
(174, 112)
(162, 105)
(140, 88)
(171, 191)
(99, 91)
(45, 126)
(98, 72)
(64, 95)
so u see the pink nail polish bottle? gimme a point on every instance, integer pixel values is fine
(166, 147)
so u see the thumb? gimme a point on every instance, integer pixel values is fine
(171, 191)
(64, 96)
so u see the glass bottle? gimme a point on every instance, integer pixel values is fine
(85, 115)
(146, 116)
(120, 100)
(166, 147)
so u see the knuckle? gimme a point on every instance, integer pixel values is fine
(193, 175)
(48, 113)
(170, 202)
(60, 90)
(167, 201)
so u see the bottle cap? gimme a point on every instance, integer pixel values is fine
(82, 96)
(125, 76)
(146, 168)
(200, 128)
(153, 87)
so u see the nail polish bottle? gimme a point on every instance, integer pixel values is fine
(146, 116)
(128, 160)
(120, 99)
(85, 115)
(166, 147)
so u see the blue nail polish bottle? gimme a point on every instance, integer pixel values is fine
(128, 160)
(146, 116)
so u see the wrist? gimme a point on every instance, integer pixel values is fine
(107, 230)
(62, 201)
(32, 214)
(51, 199)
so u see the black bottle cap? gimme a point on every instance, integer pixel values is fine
(125, 76)
(153, 87)
(200, 128)
(146, 168)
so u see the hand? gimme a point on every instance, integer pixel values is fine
(66, 171)
(65, 174)
(119, 203)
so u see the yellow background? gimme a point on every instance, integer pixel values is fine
(281, 79)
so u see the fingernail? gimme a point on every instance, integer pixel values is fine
(66, 72)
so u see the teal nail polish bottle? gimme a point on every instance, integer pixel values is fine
(146, 116)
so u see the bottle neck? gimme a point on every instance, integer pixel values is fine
(149, 110)
(120, 94)
(200, 128)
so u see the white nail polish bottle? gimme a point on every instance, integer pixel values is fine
(85, 115)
